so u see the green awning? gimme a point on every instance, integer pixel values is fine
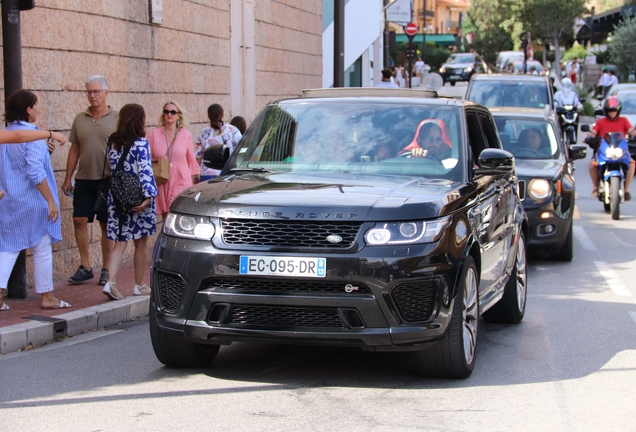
(437, 39)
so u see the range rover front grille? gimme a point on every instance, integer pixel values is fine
(415, 300)
(171, 290)
(284, 316)
(285, 286)
(297, 234)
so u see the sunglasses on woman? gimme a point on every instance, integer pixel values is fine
(171, 112)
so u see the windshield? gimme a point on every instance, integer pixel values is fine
(614, 139)
(492, 93)
(628, 100)
(528, 138)
(460, 58)
(357, 136)
(529, 65)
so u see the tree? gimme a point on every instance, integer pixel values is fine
(621, 47)
(551, 19)
(484, 21)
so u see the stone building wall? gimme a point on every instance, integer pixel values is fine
(239, 53)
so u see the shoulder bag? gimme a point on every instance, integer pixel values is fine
(126, 187)
(161, 167)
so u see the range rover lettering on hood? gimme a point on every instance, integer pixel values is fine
(280, 215)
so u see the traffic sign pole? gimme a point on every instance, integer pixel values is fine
(411, 30)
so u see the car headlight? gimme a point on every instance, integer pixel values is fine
(614, 153)
(393, 233)
(468, 69)
(194, 227)
(539, 189)
(442, 70)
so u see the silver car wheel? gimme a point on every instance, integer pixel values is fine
(521, 273)
(470, 316)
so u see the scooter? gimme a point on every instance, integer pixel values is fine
(569, 121)
(613, 162)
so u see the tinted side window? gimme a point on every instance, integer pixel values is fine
(475, 137)
(490, 132)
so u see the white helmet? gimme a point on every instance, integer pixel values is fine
(567, 85)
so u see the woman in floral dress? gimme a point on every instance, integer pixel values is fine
(141, 221)
(217, 133)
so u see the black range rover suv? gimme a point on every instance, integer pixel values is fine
(331, 225)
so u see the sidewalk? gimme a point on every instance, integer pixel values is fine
(91, 310)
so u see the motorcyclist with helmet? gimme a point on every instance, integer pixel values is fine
(612, 122)
(567, 96)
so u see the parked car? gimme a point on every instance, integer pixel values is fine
(545, 166)
(505, 56)
(323, 228)
(615, 90)
(460, 67)
(528, 91)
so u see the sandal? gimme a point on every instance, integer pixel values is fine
(594, 193)
(61, 305)
(141, 290)
(628, 196)
(4, 307)
(108, 293)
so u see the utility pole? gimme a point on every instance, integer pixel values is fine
(338, 43)
(12, 57)
(386, 38)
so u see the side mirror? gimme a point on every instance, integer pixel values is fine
(495, 161)
(585, 128)
(578, 151)
(216, 156)
(598, 112)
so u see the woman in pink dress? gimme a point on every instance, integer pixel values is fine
(172, 141)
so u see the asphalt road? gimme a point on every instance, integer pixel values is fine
(569, 366)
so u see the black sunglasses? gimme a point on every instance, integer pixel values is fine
(173, 112)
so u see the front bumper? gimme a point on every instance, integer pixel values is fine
(547, 233)
(398, 299)
(457, 76)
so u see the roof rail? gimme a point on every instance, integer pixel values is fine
(368, 91)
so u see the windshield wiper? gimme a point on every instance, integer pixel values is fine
(252, 170)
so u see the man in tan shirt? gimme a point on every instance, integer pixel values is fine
(89, 138)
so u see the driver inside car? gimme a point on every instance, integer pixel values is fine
(430, 141)
(532, 141)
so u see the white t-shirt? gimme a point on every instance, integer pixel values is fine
(387, 84)
(419, 65)
(228, 135)
(613, 80)
(605, 79)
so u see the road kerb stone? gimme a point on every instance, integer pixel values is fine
(78, 322)
(109, 313)
(13, 338)
(138, 307)
(38, 333)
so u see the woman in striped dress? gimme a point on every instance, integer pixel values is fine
(29, 213)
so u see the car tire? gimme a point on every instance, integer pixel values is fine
(454, 355)
(178, 353)
(566, 253)
(511, 308)
(615, 198)
(453, 83)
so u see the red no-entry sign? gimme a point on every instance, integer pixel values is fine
(410, 29)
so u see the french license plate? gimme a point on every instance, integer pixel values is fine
(283, 266)
(454, 77)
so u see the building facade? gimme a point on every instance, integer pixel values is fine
(239, 53)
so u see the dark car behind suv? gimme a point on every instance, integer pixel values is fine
(461, 67)
(383, 219)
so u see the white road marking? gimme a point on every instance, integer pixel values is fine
(612, 280)
(583, 238)
(633, 315)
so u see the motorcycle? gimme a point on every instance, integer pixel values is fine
(569, 121)
(612, 163)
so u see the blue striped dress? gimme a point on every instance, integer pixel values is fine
(23, 210)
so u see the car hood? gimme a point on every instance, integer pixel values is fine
(538, 168)
(325, 196)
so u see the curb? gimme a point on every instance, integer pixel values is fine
(19, 336)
